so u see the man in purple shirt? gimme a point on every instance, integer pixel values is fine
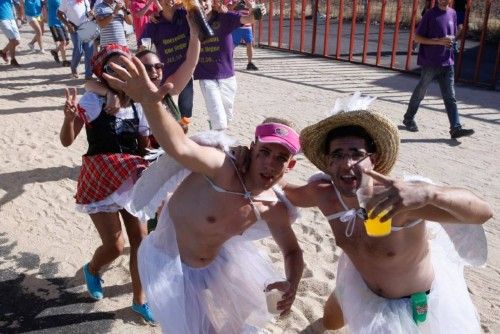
(170, 35)
(215, 68)
(436, 35)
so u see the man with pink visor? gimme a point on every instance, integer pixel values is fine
(200, 269)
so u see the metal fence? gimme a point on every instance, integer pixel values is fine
(380, 33)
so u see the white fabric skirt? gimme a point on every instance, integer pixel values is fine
(118, 200)
(450, 308)
(226, 297)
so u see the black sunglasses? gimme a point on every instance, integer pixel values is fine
(157, 66)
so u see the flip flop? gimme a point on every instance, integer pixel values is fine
(55, 55)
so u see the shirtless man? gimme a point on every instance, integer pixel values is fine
(377, 276)
(199, 273)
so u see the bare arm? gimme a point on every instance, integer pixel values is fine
(144, 9)
(444, 41)
(62, 16)
(281, 230)
(72, 124)
(427, 201)
(183, 74)
(134, 81)
(251, 17)
(304, 196)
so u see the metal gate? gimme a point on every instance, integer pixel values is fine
(380, 33)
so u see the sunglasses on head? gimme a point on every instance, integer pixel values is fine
(157, 66)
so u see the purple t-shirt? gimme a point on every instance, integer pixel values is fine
(216, 55)
(171, 40)
(437, 23)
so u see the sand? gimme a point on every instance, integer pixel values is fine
(44, 242)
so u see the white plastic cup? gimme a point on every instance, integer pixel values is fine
(273, 296)
(146, 43)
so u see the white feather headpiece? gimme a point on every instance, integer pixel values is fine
(353, 102)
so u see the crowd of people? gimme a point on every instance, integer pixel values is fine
(199, 270)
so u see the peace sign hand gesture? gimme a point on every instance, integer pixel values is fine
(70, 110)
(398, 196)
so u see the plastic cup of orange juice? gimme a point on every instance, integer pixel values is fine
(374, 227)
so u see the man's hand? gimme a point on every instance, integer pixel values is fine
(399, 196)
(285, 304)
(133, 79)
(447, 41)
(70, 110)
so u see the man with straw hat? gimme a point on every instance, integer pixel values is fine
(404, 281)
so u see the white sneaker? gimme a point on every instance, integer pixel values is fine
(42, 51)
(31, 46)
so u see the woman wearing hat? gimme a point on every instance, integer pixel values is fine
(404, 282)
(110, 167)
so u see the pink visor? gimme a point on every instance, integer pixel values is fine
(279, 134)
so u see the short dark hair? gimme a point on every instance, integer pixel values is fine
(142, 53)
(349, 131)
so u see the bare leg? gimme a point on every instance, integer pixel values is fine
(136, 233)
(38, 33)
(110, 230)
(11, 47)
(62, 49)
(249, 52)
(332, 316)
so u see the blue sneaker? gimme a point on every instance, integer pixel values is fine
(93, 283)
(144, 311)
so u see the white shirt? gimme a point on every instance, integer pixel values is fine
(75, 10)
(92, 106)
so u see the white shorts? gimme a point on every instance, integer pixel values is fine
(34, 18)
(219, 100)
(9, 29)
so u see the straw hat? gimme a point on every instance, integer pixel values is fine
(384, 133)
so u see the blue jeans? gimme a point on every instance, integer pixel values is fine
(185, 100)
(445, 75)
(78, 47)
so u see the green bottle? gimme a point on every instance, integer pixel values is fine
(419, 306)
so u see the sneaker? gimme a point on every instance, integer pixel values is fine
(42, 51)
(13, 62)
(460, 132)
(31, 46)
(65, 63)
(93, 283)
(4, 56)
(144, 311)
(55, 55)
(252, 67)
(410, 125)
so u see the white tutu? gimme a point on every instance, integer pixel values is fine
(224, 297)
(118, 200)
(450, 309)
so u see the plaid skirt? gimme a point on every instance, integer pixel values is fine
(103, 174)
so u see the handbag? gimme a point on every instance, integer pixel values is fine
(88, 31)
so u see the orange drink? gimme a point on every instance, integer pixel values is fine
(376, 228)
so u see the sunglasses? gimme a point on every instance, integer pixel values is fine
(157, 66)
(107, 69)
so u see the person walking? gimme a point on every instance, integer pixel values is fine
(436, 35)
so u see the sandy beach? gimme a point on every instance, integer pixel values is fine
(44, 242)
